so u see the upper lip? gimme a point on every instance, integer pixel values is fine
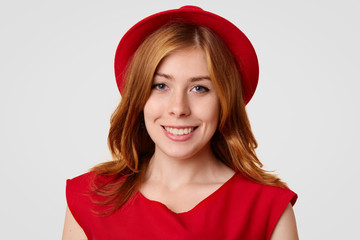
(178, 127)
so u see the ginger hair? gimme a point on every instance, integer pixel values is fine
(233, 142)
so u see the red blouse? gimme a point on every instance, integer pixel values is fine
(239, 209)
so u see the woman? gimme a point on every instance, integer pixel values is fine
(184, 155)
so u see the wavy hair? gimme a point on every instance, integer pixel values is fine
(233, 142)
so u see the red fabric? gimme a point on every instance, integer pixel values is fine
(234, 38)
(239, 209)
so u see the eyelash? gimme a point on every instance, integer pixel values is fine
(157, 86)
(197, 88)
(204, 89)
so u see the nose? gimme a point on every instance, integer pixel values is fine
(179, 104)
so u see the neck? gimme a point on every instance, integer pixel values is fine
(174, 172)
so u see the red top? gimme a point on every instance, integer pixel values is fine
(239, 209)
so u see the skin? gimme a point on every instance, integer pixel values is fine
(183, 96)
(285, 228)
(72, 230)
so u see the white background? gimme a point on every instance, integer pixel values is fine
(57, 92)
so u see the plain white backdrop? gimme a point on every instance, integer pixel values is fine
(57, 92)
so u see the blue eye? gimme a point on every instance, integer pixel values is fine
(200, 89)
(159, 86)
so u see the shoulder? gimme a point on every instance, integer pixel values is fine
(78, 190)
(264, 203)
(79, 186)
(286, 226)
(87, 182)
(83, 202)
(78, 200)
(261, 192)
(81, 180)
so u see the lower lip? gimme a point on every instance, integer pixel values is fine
(179, 138)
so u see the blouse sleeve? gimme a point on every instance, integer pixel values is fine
(279, 199)
(78, 199)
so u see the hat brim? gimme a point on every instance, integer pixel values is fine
(234, 38)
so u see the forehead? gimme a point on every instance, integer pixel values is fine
(185, 61)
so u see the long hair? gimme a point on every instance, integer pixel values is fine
(233, 142)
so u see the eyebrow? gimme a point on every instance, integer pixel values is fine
(193, 79)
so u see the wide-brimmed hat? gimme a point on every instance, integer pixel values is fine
(236, 41)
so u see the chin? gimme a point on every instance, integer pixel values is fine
(182, 153)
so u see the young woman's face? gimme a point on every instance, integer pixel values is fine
(181, 114)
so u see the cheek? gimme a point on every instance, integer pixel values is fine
(214, 110)
(209, 111)
(214, 115)
(152, 110)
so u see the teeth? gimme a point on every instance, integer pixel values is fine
(179, 131)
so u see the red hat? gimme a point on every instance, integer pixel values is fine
(236, 41)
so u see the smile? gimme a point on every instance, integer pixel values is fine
(179, 131)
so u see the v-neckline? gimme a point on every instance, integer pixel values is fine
(196, 206)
